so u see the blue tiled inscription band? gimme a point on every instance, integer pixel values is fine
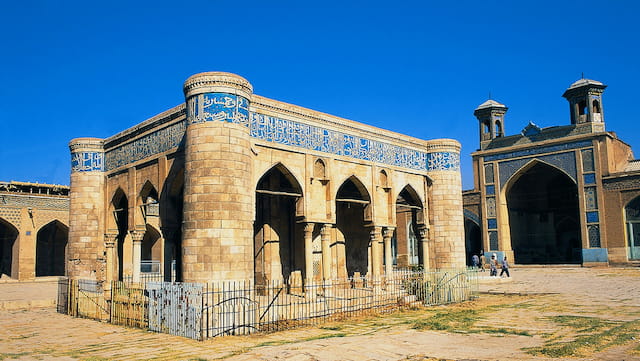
(221, 107)
(592, 217)
(233, 108)
(87, 161)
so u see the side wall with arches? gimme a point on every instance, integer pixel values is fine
(33, 231)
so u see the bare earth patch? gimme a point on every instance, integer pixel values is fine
(543, 314)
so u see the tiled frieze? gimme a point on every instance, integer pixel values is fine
(280, 131)
(157, 142)
(538, 150)
(85, 161)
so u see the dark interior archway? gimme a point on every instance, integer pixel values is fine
(544, 217)
(352, 201)
(51, 244)
(8, 236)
(472, 239)
(277, 236)
(121, 215)
(171, 217)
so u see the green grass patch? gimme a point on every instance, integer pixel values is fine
(332, 327)
(322, 337)
(452, 321)
(95, 358)
(7, 356)
(594, 335)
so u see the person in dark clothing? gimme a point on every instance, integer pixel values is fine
(505, 267)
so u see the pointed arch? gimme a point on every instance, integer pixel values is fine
(543, 214)
(51, 248)
(409, 216)
(171, 217)
(279, 178)
(353, 189)
(148, 203)
(278, 242)
(8, 236)
(526, 168)
(148, 190)
(119, 207)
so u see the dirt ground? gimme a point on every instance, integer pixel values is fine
(539, 314)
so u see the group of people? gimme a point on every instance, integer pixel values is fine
(479, 263)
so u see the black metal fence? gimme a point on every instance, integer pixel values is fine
(202, 311)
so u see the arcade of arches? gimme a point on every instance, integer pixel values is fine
(235, 186)
(33, 230)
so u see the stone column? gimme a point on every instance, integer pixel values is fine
(388, 257)
(308, 253)
(110, 240)
(86, 210)
(219, 196)
(136, 237)
(376, 252)
(445, 208)
(424, 239)
(325, 238)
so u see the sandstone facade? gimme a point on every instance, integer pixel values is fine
(236, 186)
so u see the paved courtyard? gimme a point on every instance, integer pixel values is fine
(539, 314)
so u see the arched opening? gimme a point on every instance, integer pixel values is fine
(632, 221)
(8, 236)
(151, 251)
(171, 206)
(582, 107)
(352, 208)
(408, 215)
(596, 106)
(121, 215)
(279, 243)
(486, 127)
(51, 246)
(544, 217)
(472, 239)
(499, 132)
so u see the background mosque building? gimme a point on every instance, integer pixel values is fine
(557, 195)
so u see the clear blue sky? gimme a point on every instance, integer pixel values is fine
(74, 69)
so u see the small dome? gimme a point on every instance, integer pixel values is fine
(582, 82)
(490, 104)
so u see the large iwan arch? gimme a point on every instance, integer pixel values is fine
(543, 212)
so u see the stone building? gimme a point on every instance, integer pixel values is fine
(231, 185)
(34, 221)
(558, 195)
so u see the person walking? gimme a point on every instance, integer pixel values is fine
(493, 266)
(483, 261)
(505, 267)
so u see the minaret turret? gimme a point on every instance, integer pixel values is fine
(490, 116)
(585, 104)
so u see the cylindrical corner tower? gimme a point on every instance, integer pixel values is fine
(86, 210)
(446, 219)
(218, 196)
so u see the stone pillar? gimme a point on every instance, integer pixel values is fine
(110, 240)
(136, 237)
(445, 208)
(388, 257)
(217, 238)
(325, 238)
(376, 252)
(308, 253)
(86, 210)
(423, 238)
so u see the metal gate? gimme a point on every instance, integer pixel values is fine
(175, 308)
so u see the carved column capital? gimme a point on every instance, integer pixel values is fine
(308, 227)
(375, 233)
(423, 233)
(326, 229)
(137, 236)
(388, 232)
(110, 239)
